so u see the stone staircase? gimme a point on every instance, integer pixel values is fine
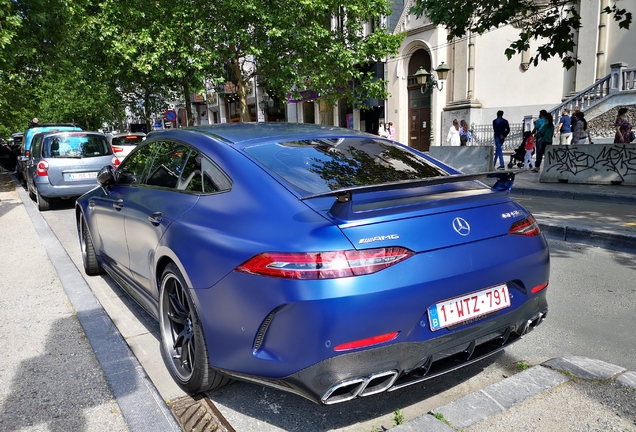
(600, 101)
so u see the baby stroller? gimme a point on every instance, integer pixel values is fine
(518, 156)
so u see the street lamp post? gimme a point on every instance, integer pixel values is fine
(427, 81)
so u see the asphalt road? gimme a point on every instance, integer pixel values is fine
(592, 313)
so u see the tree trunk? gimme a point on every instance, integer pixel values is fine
(188, 103)
(120, 120)
(240, 89)
(147, 109)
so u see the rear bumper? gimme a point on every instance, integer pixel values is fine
(48, 190)
(389, 368)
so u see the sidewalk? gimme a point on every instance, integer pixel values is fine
(59, 376)
(66, 367)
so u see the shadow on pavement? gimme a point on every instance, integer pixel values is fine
(58, 388)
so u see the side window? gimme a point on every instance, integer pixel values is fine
(36, 151)
(190, 179)
(137, 165)
(167, 167)
(214, 180)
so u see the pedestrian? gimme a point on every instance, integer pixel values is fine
(565, 128)
(33, 123)
(501, 127)
(391, 131)
(574, 117)
(581, 132)
(453, 134)
(624, 132)
(382, 131)
(545, 134)
(465, 136)
(529, 146)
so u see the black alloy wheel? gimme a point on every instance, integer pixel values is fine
(183, 345)
(89, 258)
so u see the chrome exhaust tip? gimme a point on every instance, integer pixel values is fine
(343, 391)
(377, 383)
(364, 386)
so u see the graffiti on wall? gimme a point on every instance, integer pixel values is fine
(573, 160)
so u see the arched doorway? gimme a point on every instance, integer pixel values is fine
(420, 124)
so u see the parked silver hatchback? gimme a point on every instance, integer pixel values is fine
(65, 164)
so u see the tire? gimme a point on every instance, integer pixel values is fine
(89, 258)
(183, 346)
(44, 203)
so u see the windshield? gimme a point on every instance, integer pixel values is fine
(318, 166)
(76, 146)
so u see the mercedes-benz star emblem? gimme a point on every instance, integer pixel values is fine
(461, 226)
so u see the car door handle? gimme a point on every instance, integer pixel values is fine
(156, 218)
(118, 205)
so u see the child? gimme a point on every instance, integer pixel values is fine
(529, 141)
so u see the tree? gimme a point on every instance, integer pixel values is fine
(552, 22)
(314, 44)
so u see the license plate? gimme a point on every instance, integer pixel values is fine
(468, 307)
(80, 176)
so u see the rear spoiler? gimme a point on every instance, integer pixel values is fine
(505, 179)
(341, 208)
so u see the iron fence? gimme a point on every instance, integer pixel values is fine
(483, 135)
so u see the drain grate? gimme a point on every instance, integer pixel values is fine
(198, 414)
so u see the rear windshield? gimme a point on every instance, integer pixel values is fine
(76, 146)
(318, 166)
(128, 140)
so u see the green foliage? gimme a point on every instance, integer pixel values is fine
(398, 417)
(551, 22)
(522, 365)
(85, 61)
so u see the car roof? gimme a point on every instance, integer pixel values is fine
(244, 134)
(37, 125)
(121, 134)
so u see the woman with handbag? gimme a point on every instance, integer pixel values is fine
(624, 132)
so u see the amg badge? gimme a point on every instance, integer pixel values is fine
(379, 238)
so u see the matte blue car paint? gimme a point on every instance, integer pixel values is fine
(319, 311)
(262, 213)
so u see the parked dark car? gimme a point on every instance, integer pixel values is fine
(65, 164)
(9, 151)
(25, 147)
(327, 262)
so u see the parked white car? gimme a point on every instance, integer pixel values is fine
(124, 143)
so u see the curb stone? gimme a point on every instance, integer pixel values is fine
(586, 368)
(501, 396)
(628, 379)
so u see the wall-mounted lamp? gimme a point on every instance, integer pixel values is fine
(266, 101)
(427, 82)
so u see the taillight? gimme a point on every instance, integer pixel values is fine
(539, 288)
(526, 227)
(323, 265)
(115, 162)
(363, 343)
(27, 153)
(117, 149)
(42, 169)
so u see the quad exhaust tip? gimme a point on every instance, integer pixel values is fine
(359, 387)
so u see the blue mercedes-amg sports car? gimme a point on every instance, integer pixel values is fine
(327, 262)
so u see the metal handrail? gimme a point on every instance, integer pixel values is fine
(584, 99)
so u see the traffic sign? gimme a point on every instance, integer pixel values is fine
(171, 115)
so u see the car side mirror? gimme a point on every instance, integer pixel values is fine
(106, 178)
